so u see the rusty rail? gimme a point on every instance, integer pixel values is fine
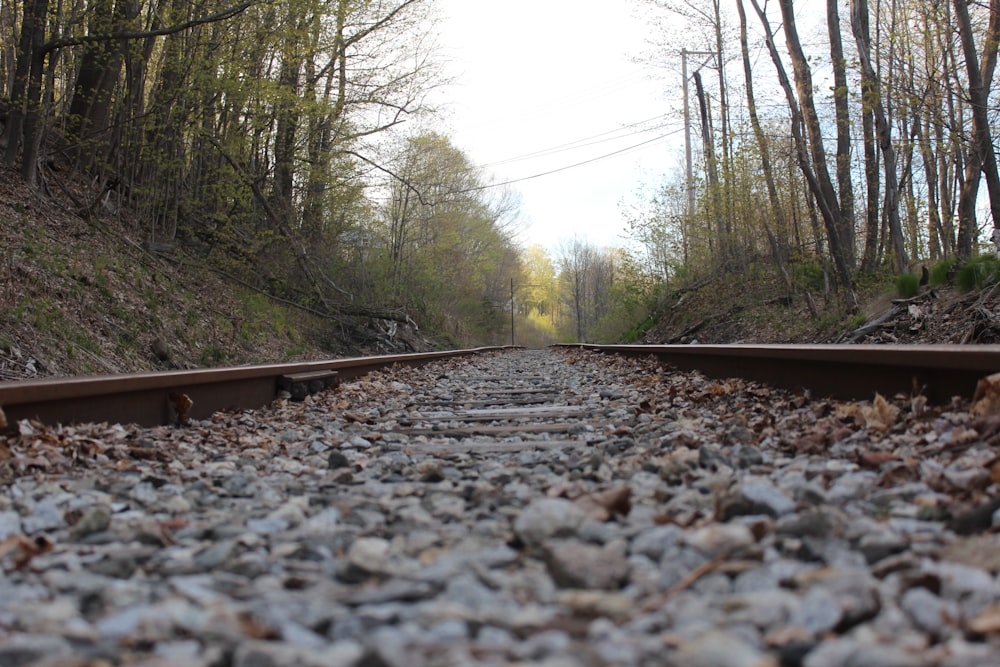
(843, 371)
(144, 398)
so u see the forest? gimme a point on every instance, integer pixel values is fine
(294, 147)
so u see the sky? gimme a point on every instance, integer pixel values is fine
(543, 85)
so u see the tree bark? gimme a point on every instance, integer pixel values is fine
(840, 99)
(820, 187)
(859, 8)
(765, 154)
(711, 167)
(982, 157)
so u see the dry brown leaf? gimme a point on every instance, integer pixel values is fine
(875, 459)
(26, 548)
(986, 400)
(987, 622)
(182, 404)
(3, 419)
(604, 505)
(880, 415)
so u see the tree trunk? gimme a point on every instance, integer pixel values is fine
(93, 93)
(860, 8)
(765, 154)
(840, 99)
(32, 140)
(712, 168)
(982, 157)
(804, 87)
(818, 180)
(32, 36)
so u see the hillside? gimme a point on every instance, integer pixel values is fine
(82, 296)
(757, 309)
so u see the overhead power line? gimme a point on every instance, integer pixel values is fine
(585, 141)
(574, 165)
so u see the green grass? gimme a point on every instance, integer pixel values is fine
(212, 356)
(907, 285)
(939, 272)
(978, 273)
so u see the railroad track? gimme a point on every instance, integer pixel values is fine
(845, 371)
(154, 398)
(519, 507)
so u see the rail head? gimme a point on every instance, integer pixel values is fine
(843, 371)
(145, 398)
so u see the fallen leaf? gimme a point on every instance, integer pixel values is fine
(987, 621)
(26, 548)
(146, 454)
(875, 459)
(604, 505)
(3, 419)
(986, 400)
(880, 415)
(181, 403)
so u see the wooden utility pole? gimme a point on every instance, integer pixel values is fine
(687, 125)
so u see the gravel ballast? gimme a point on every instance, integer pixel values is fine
(664, 519)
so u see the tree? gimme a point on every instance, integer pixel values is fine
(815, 171)
(981, 158)
(859, 8)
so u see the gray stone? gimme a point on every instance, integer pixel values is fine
(575, 564)
(655, 541)
(44, 516)
(935, 616)
(10, 524)
(720, 649)
(547, 518)
(27, 649)
(756, 496)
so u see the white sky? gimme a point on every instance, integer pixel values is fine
(533, 75)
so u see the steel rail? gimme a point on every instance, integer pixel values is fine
(939, 372)
(145, 398)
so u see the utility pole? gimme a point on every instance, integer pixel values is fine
(512, 312)
(687, 125)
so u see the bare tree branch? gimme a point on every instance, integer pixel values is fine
(65, 42)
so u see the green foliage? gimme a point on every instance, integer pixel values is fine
(978, 273)
(940, 271)
(212, 356)
(263, 319)
(46, 316)
(637, 331)
(810, 275)
(907, 285)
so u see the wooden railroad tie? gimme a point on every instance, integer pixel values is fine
(300, 385)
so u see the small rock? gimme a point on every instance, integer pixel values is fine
(723, 538)
(10, 524)
(337, 460)
(94, 519)
(575, 564)
(547, 518)
(756, 496)
(720, 649)
(930, 613)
